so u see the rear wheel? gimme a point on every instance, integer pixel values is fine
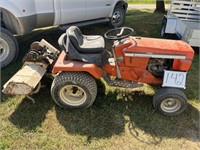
(118, 17)
(8, 48)
(74, 90)
(170, 101)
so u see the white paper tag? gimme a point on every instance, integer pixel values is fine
(175, 79)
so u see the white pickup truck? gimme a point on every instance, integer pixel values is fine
(19, 17)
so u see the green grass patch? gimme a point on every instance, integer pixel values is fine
(119, 119)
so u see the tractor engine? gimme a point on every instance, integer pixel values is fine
(157, 66)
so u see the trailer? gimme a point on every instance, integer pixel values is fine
(183, 20)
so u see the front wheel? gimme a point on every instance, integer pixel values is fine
(118, 17)
(170, 101)
(74, 90)
(8, 48)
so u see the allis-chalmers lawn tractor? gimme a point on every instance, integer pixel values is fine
(134, 60)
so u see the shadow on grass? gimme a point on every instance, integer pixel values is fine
(29, 115)
(107, 118)
(156, 126)
(109, 115)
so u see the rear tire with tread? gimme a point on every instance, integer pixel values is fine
(8, 48)
(74, 90)
(170, 101)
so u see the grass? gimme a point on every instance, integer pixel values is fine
(119, 119)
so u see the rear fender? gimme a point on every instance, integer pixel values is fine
(7, 5)
(63, 64)
(11, 13)
(20, 18)
(10, 22)
(171, 25)
(120, 3)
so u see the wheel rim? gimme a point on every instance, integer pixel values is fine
(4, 50)
(117, 17)
(170, 105)
(73, 95)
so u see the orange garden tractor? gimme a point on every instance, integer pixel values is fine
(134, 60)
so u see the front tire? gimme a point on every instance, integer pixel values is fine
(118, 17)
(74, 90)
(8, 48)
(170, 101)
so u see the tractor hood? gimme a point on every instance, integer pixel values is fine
(159, 48)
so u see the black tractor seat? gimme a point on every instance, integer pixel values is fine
(89, 49)
(85, 44)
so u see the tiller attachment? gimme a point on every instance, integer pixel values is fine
(36, 63)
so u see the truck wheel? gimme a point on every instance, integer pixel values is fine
(170, 101)
(8, 48)
(74, 90)
(118, 17)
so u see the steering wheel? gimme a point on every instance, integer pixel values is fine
(118, 33)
